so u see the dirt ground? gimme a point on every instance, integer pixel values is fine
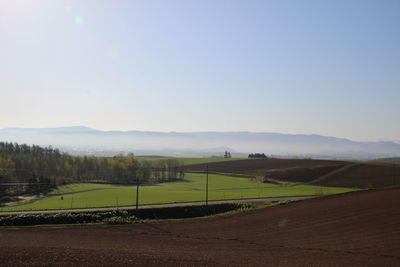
(260, 165)
(359, 175)
(355, 229)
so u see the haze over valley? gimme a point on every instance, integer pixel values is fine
(87, 141)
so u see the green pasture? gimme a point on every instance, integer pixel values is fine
(193, 189)
(190, 161)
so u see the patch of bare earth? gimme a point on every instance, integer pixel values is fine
(318, 172)
(356, 229)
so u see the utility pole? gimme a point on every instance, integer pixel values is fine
(72, 199)
(206, 185)
(137, 191)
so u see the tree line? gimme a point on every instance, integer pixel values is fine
(257, 156)
(34, 168)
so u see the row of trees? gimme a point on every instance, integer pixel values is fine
(227, 154)
(257, 156)
(44, 168)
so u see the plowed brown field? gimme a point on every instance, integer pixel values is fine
(294, 170)
(355, 229)
(365, 176)
(344, 174)
(260, 165)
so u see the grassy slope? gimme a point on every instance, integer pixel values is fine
(190, 161)
(220, 187)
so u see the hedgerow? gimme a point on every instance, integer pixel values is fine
(118, 216)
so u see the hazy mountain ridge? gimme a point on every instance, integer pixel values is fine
(85, 140)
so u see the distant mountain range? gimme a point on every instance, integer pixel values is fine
(84, 140)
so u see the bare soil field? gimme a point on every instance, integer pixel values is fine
(334, 173)
(293, 170)
(365, 176)
(254, 166)
(354, 229)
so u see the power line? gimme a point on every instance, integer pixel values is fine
(172, 169)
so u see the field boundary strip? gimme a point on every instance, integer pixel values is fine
(161, 205)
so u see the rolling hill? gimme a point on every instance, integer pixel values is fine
(309, 171)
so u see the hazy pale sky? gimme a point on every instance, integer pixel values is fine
(300, 66)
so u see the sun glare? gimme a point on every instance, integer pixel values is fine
(79, 20)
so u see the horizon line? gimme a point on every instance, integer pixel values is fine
(170, 132)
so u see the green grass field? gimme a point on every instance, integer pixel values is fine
(220, 187)
(190, 161)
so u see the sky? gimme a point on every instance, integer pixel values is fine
(288, 66)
